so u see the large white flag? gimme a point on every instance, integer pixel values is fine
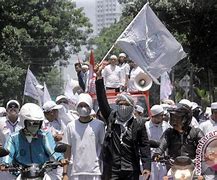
(165, 86)
(32, 87)
(149, 44)
(46, 94)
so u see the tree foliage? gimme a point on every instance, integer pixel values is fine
(37, 33)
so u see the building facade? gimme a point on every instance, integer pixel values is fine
(107, 13)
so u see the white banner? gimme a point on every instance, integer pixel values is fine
(150, 45)
(32, 87)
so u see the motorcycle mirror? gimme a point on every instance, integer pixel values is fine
(60, 148)
(3, 152)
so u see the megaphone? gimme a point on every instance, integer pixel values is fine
(142, 82)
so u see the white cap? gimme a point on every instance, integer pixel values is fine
(186, 102)
(139, 108)
(13, 102)
(156, 109)
(165, 107)
(168, 101)
(194, 105)
(113, 57)
(51, 105)
(84, 66)
(122, 55)
(61, 97)
(214, 105)
(86, 98)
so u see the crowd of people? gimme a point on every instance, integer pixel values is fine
(110, 144)
(119, 74)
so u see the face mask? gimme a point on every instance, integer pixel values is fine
(83, 111)
(124, 112)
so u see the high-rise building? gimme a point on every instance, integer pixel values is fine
(107, 13)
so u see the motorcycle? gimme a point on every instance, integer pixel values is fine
(33, 171)
(182, 168)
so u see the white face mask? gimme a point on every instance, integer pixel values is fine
(83, 111)
(124, 112)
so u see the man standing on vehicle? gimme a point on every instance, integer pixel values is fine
(126, 141)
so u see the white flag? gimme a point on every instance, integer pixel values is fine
(70, 84)
(149, 44)
(165, 86)
(46, 95)
(32, 87)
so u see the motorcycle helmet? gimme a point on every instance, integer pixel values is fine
(31, 112)
(183, 111)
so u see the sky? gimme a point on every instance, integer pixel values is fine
(89, 10)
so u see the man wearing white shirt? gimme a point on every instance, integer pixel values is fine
(85, 138)
(112, 75)
(52, 123)
(155, 128)
(210, 124)
(8, 125)
(135, 70)
(55, 126)
(125, 69)
(10, 122)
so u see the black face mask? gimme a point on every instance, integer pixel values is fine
(124, 112)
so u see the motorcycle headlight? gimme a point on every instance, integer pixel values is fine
(186, 173)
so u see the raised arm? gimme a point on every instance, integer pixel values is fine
(101, 94)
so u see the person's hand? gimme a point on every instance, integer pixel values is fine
(3, 167)
(156, 157)
(64, 162)
(58, 137)
(98, 69)
(65, 177)
(146, 173)
(165, 178)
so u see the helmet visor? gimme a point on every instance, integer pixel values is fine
(33, 122)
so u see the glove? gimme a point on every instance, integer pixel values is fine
(156, 157)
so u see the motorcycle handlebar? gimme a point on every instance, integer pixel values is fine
(14, 168)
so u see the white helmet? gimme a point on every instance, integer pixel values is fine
(31, 111)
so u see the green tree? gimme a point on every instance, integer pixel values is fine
(37, 33)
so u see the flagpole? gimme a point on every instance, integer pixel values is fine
(23, 99)
(107, 53)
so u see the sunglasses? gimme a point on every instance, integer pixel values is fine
(65, 102)
(34, 123)
(10, 106)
